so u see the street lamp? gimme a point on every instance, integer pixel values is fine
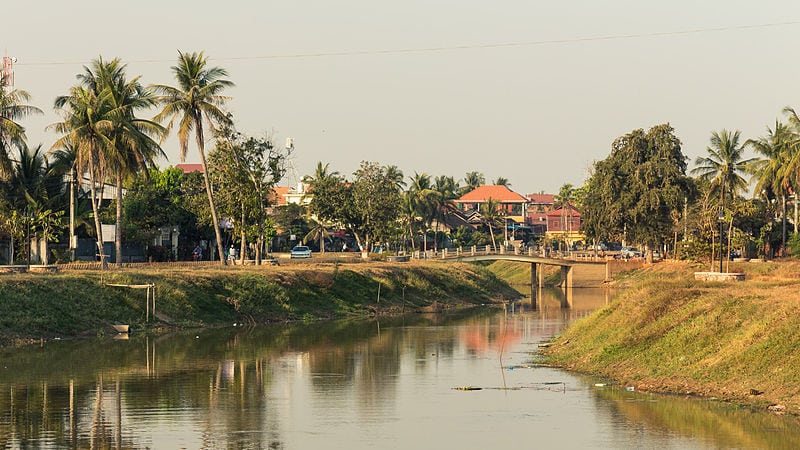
(721, 220)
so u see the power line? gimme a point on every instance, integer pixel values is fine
(397, 51)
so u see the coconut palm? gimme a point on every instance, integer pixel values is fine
(446, 190)
(87, 125)
(134, 148)
(724, 165)
(502, 181)
(194, 101)
(491, 215)
(321, 175)
(774, 173)
(423, 202)
(472, 181)
(12, 108)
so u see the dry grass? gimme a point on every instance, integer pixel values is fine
(668, 332)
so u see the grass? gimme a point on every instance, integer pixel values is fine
(73, 303)
(668, 332)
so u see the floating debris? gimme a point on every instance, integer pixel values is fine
(467, 388)
(630, 389)
(600, 385)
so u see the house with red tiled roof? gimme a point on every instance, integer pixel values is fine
(538, 207)
(189, 168)
(564, 224)
(512, 203)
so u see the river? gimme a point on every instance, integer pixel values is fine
(466, 380)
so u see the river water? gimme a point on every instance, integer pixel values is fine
(379, 384)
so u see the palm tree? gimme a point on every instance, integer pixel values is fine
(87, 124)
(774, 172)
(491, 216)
(195, 99)
(134, 148)
(319, 231)
(564, 200)
(724, 165)
(446, 190)
(501, 181)
(12, 108)
(423, 201)
(394, 173)
(321, 175)
(472, 181)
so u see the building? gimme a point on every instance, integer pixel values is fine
(511, 203)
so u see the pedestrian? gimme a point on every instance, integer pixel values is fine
(197, 253)
(232, 254)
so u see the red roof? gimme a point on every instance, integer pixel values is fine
(189, 168)
(498, 193)
(543, 199)
(280, 195)
(558, 212)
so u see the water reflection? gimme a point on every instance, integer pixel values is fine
(354, 384)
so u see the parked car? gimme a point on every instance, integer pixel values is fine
(301, 251)
(630, 252)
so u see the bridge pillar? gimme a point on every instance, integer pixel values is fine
(534, 277)
(566, 277)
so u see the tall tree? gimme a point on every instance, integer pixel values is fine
(12, 133)
(491, 215)
(87, 125)
(636, 191)
(472, 181)
(724, 165)
(502, 181)
(134, 148)
(246, 169)
(196, 100)
(422, 200)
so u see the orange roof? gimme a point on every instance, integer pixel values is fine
(543, 199)
(189, 168)
(498, 193)
(280, 194)
(560, 211)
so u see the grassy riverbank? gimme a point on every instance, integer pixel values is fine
(74, 303)
(667, 332)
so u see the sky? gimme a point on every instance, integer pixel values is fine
(531, 91)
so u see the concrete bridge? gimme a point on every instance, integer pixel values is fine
(573, 273)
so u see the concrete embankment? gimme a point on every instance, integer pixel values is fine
(73, 303)
(668, 332)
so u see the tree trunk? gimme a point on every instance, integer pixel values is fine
(118, 228)
(207, 181)
(243, 237)
(97, 226)
(72, 195)
(783, 223)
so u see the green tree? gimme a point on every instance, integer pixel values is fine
(133, 148)
(422, 201)
(771, 171)
(245, 171)
(502, 181)
(472, 181)
(12, 133)
(87, 125)
(491, 215)
(636, 192)
(376, 203)
(724, 165)
(194, 101)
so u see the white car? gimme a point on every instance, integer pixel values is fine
(301, 251)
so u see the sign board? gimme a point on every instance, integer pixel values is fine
(109, 232)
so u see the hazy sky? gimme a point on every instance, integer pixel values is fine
(529, 90)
